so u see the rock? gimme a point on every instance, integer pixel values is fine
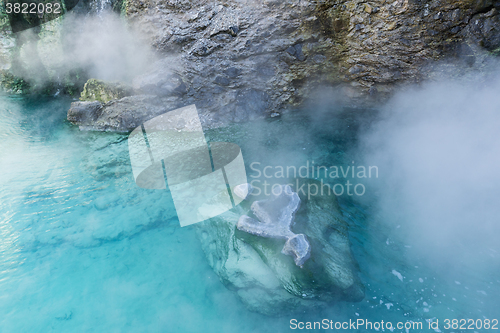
(275, 217)
(101, 91)
(315, 44)
(221, 80)
(126, 114)
(484, 30)
(232, 72)
(121, 115)
(226, 21)
(250, 104)
(84, 112)
(161, 82)
(296, 51)
(267, 280)
(204, 47)
(209, 37)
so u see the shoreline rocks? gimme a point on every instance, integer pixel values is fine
(101, 91)
(242, 61)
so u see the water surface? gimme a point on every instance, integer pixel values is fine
(83, 249)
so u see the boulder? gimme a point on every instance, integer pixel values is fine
(126, 114)
(268, 281)
(275, 218)
(101, 91)
(120, 115)
(84, 113)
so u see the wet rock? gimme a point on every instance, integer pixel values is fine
(484, 30)
(267, 280)
(101, 91)
(250, 104)
(84, 112)
(275, 217)
(161, 82)
(121, 115)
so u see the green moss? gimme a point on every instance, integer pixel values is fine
(13, 84)
(97, 90)
(4, 19)
(122, 7)
(496, 52)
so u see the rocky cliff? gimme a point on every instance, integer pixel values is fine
(246, 57)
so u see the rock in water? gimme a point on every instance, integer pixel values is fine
(298, 247)
(276, 217)
(268, 281)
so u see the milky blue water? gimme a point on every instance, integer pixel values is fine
(83, 249)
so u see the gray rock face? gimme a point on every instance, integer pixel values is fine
(279, 53)
(243, 60)
(162, 83)
(125, 114)
(484, 29)
(84, 112)
(120, 115)
(276, 216)
(266, 279)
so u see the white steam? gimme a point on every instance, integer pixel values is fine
(105, 46)
(438, 152)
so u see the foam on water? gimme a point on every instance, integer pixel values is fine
(84, 249)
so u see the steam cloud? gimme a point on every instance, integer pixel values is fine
(438, 152)
(104, 46)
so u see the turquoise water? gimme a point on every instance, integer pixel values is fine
(83, 249)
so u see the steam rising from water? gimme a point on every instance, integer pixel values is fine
(438, 152)
(105, 46)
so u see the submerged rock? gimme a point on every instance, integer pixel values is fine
(262, 273)
(275, 219)
(298, 247)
